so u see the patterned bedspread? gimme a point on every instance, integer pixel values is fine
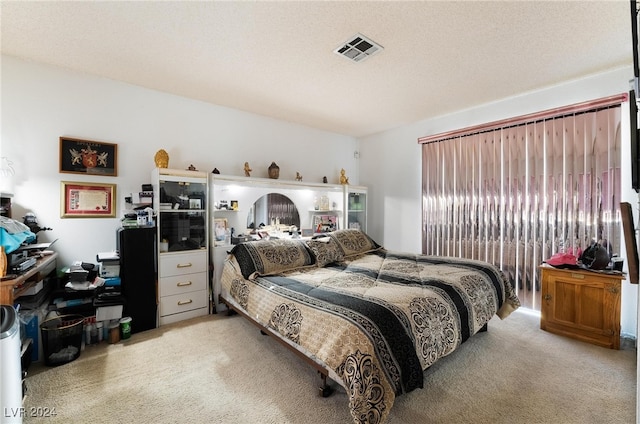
(374, 320)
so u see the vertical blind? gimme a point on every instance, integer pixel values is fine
(515, 195)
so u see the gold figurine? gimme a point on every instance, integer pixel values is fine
(343, 178)
(247, 169)
(162, 159)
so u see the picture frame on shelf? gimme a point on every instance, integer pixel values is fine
(87, 200)
(220, 228)
(195, 203)
(88, 157)
(325, 223)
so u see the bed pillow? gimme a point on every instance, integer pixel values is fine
(268, 257)
(353, 242)
(326, 250)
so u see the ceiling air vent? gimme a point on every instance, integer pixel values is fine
(358, 48)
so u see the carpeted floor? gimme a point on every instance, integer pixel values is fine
(220, 369)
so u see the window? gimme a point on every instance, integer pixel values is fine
(515, 194)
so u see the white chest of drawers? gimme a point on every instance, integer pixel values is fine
(182, 286)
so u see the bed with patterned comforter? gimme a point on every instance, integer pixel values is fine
(372, 318)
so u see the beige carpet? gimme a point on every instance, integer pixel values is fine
(220, 369)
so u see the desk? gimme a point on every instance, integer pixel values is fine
(12, 289)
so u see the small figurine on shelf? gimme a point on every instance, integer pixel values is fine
(343, 178)
(215, 171)
(191, 168)
(274, 171)
(298, 176)
(161, 159)
(247, 169)
(324, 179)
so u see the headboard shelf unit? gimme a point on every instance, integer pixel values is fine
(226, 189)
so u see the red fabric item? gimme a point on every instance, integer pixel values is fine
(563, 260)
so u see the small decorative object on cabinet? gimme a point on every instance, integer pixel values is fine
(247, 169)
(583, 305)
(180, 199)
(274, 171)
(343, 177)
(298, 176)
(161, 159)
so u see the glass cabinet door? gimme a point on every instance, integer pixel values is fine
(182, 214)
(356, 203)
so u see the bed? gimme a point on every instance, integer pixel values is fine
(370, 319)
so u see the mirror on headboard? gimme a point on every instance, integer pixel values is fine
(631, 246)
(273, 207)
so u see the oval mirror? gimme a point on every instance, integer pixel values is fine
(271, 208)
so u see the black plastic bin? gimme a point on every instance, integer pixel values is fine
(61, 339)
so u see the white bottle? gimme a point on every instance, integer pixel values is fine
(100, 333)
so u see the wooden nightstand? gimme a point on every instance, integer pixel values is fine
(583, 305)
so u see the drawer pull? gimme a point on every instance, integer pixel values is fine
(184, 283)
(184, 302)
(613, 290)
(548, 297)
(187, 265)
(580, 276)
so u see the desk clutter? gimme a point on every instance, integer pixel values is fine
(80, 305)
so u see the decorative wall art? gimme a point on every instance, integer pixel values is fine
(88, 157)
(87, 200)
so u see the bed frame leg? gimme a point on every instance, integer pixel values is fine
(325, 389)
(484, 328)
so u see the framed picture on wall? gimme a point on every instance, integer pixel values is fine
(88, 157)
(87, 200)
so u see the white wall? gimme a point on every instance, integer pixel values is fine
(41, 103)
(394, 180)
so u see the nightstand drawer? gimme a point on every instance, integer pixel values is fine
(183, 302)
(182, 284)
(183, 264)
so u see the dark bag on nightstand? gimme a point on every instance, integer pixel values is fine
(595, 257)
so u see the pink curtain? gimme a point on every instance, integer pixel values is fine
(515, 195)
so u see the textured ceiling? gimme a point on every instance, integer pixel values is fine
(276, 58)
